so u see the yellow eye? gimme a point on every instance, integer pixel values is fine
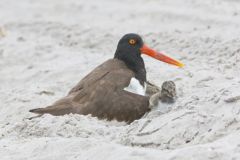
(132, 41)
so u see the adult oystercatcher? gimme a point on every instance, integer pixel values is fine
(115, 89)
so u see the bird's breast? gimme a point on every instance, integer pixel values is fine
(135, 87)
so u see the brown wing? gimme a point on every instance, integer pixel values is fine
(101, 94)
(99, 72)
(120, 105)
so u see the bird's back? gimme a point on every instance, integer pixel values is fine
(101, 93)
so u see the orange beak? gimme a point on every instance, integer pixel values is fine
(160, 56)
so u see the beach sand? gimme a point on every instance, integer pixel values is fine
(46, 47)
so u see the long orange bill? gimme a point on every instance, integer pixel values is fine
(160, 56)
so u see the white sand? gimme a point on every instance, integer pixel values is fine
(50, 45)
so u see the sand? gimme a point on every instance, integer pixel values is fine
(46, 47)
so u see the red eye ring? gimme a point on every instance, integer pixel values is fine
(132, 41)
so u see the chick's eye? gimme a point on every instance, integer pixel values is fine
(132, 41)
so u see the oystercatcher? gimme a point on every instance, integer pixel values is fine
(114, 89)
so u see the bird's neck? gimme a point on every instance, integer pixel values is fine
(136, 64)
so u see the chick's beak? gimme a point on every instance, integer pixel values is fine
(160, 56)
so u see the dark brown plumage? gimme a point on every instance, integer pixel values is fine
(101, 93)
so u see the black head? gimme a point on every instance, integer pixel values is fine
(129, 45)
(128, 50)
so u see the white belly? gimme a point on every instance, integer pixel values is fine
(135, 87)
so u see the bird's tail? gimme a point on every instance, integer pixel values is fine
(39, 110)
(57, 109)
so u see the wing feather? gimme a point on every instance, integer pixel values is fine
(101, 93)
